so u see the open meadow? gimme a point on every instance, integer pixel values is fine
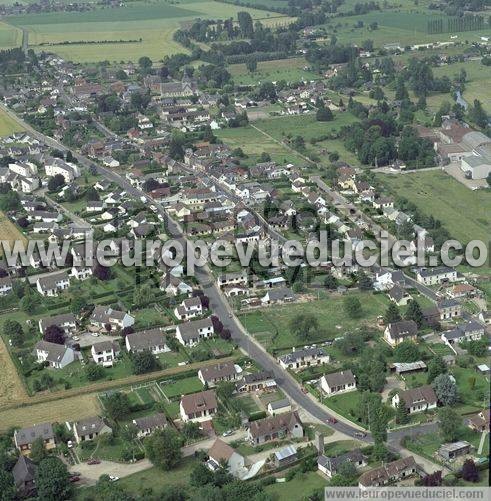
(465, 213)
(8, 125)
(10, 36)
(140, 29)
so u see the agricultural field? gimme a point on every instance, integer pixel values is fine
(10, 36)
(11, 388)
(7, 125)
(64, 409)
(290, 70)
(271, 326)
(9, 232)
(143, 29)
(440, 195)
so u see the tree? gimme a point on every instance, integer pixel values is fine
(29, 303)
(251, 64)
(225, 391)
(470, 473)
(107, 490)
(145, 62)
(449, 422)
(348, 470)
(245, 24)
(13, 330)
(478, 115)
(7, 486)
(392, 314)
(52, 480)
(54, 334)
(93, 372)
(56, 182)
(101, 272)
(304, 326)
(402, 414)
(364, 282)
(143, 362)
(433, 479)
(414, 312)
(78, 303)
(407, 351)
(201, 475)
(143, 296)
(351, 344)
(324, 114)
(330, 282)
(436, 366)
(191, 431)
(163, 448)
(352, 307)
(92, 195)
(117, 405)
(445, 389)
(38, 451)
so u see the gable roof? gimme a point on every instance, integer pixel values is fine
(212, 372)
(404, 328)
(220, 451)
(274, 424)
(24, 471)
(145, 340)
(199, 402)
(89, 425)
(384, 473)
(339, 378)
(415, 395)
(55, 352)
(157, 420)
(26, 436)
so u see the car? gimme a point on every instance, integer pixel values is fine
(113, 478)
(227, 433)
(360, 434)
(143, 199)
(332, 420)
(74, 478)
(93, 461)
(75, 338)
(95, 334)
(69, 444)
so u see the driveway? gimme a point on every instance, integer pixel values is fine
(454, 170)
(393, 383)
(90, 473)
(86, 339)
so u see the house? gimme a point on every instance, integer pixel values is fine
(388, 473)
(190, 333)
(89, 429)
(257, 381)
(50, 285)
(416, 399)
(485, 317)
(330, 465)
(436, 276)
(468, 331)
(213, 374)
(146, 425)
(189, 308)
(479, 422)
(226, 279)
(404, 330)
(454, 450)
(449, 309)
(386, 279)
(399, 296)
(57, 166)
(306, 357)
(279, 407)
(220, 452)
(278, 296)
(275, 427)
(55, 355)
(24, 473)
(153, 340)
(200, 406)
(105, 353)
(285, 456)
(5, 285)
(25, 437)
(102, 316)
(65, 321)
(462, 291)
(338, 382)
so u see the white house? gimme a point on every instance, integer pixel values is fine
(68, 170)
(189, 308)
(51, 285)
(105, 353)
(338, 382)
(416, 399)
(198, 407)
(221, 452)
(153, 340)
(57, 355)
(190, 333)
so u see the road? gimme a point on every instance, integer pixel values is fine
(223, 310)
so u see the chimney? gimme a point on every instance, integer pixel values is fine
(319, 442)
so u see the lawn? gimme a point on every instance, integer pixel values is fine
(345, 404)
(291, 70)
(443, 197)
(247, 404)
(471, 386)
(340, 447)
(271, 326)
(10, 36)
(11, 387)
(7, 125)
(181, 387)
(300, 487)
(9, 232)
(140, 29)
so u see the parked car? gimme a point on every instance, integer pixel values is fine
(69, 444)
(360, 434)
(113, 478)
(227, 433)
(332, 420)
(93, 461)
(74, 478)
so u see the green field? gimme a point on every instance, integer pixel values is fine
(291, 70)
(153, 23)
(300, 487)
(7, 125)
(9, 36)
(182, 387)
(271, 326)
(465, 213)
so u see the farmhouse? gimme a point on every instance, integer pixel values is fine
(278, 296)
(416, 399)
(307, 357)
(56, 355)
(405, 330)
(200, 406)
(25, 437)
(449, 309)
(89, 429)
(338, 382)
(388, 473)
(275, 427)
(190, 333)
(436, 276)
(153, 340)
(146, 425)
(468, 331)
(213, 374)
